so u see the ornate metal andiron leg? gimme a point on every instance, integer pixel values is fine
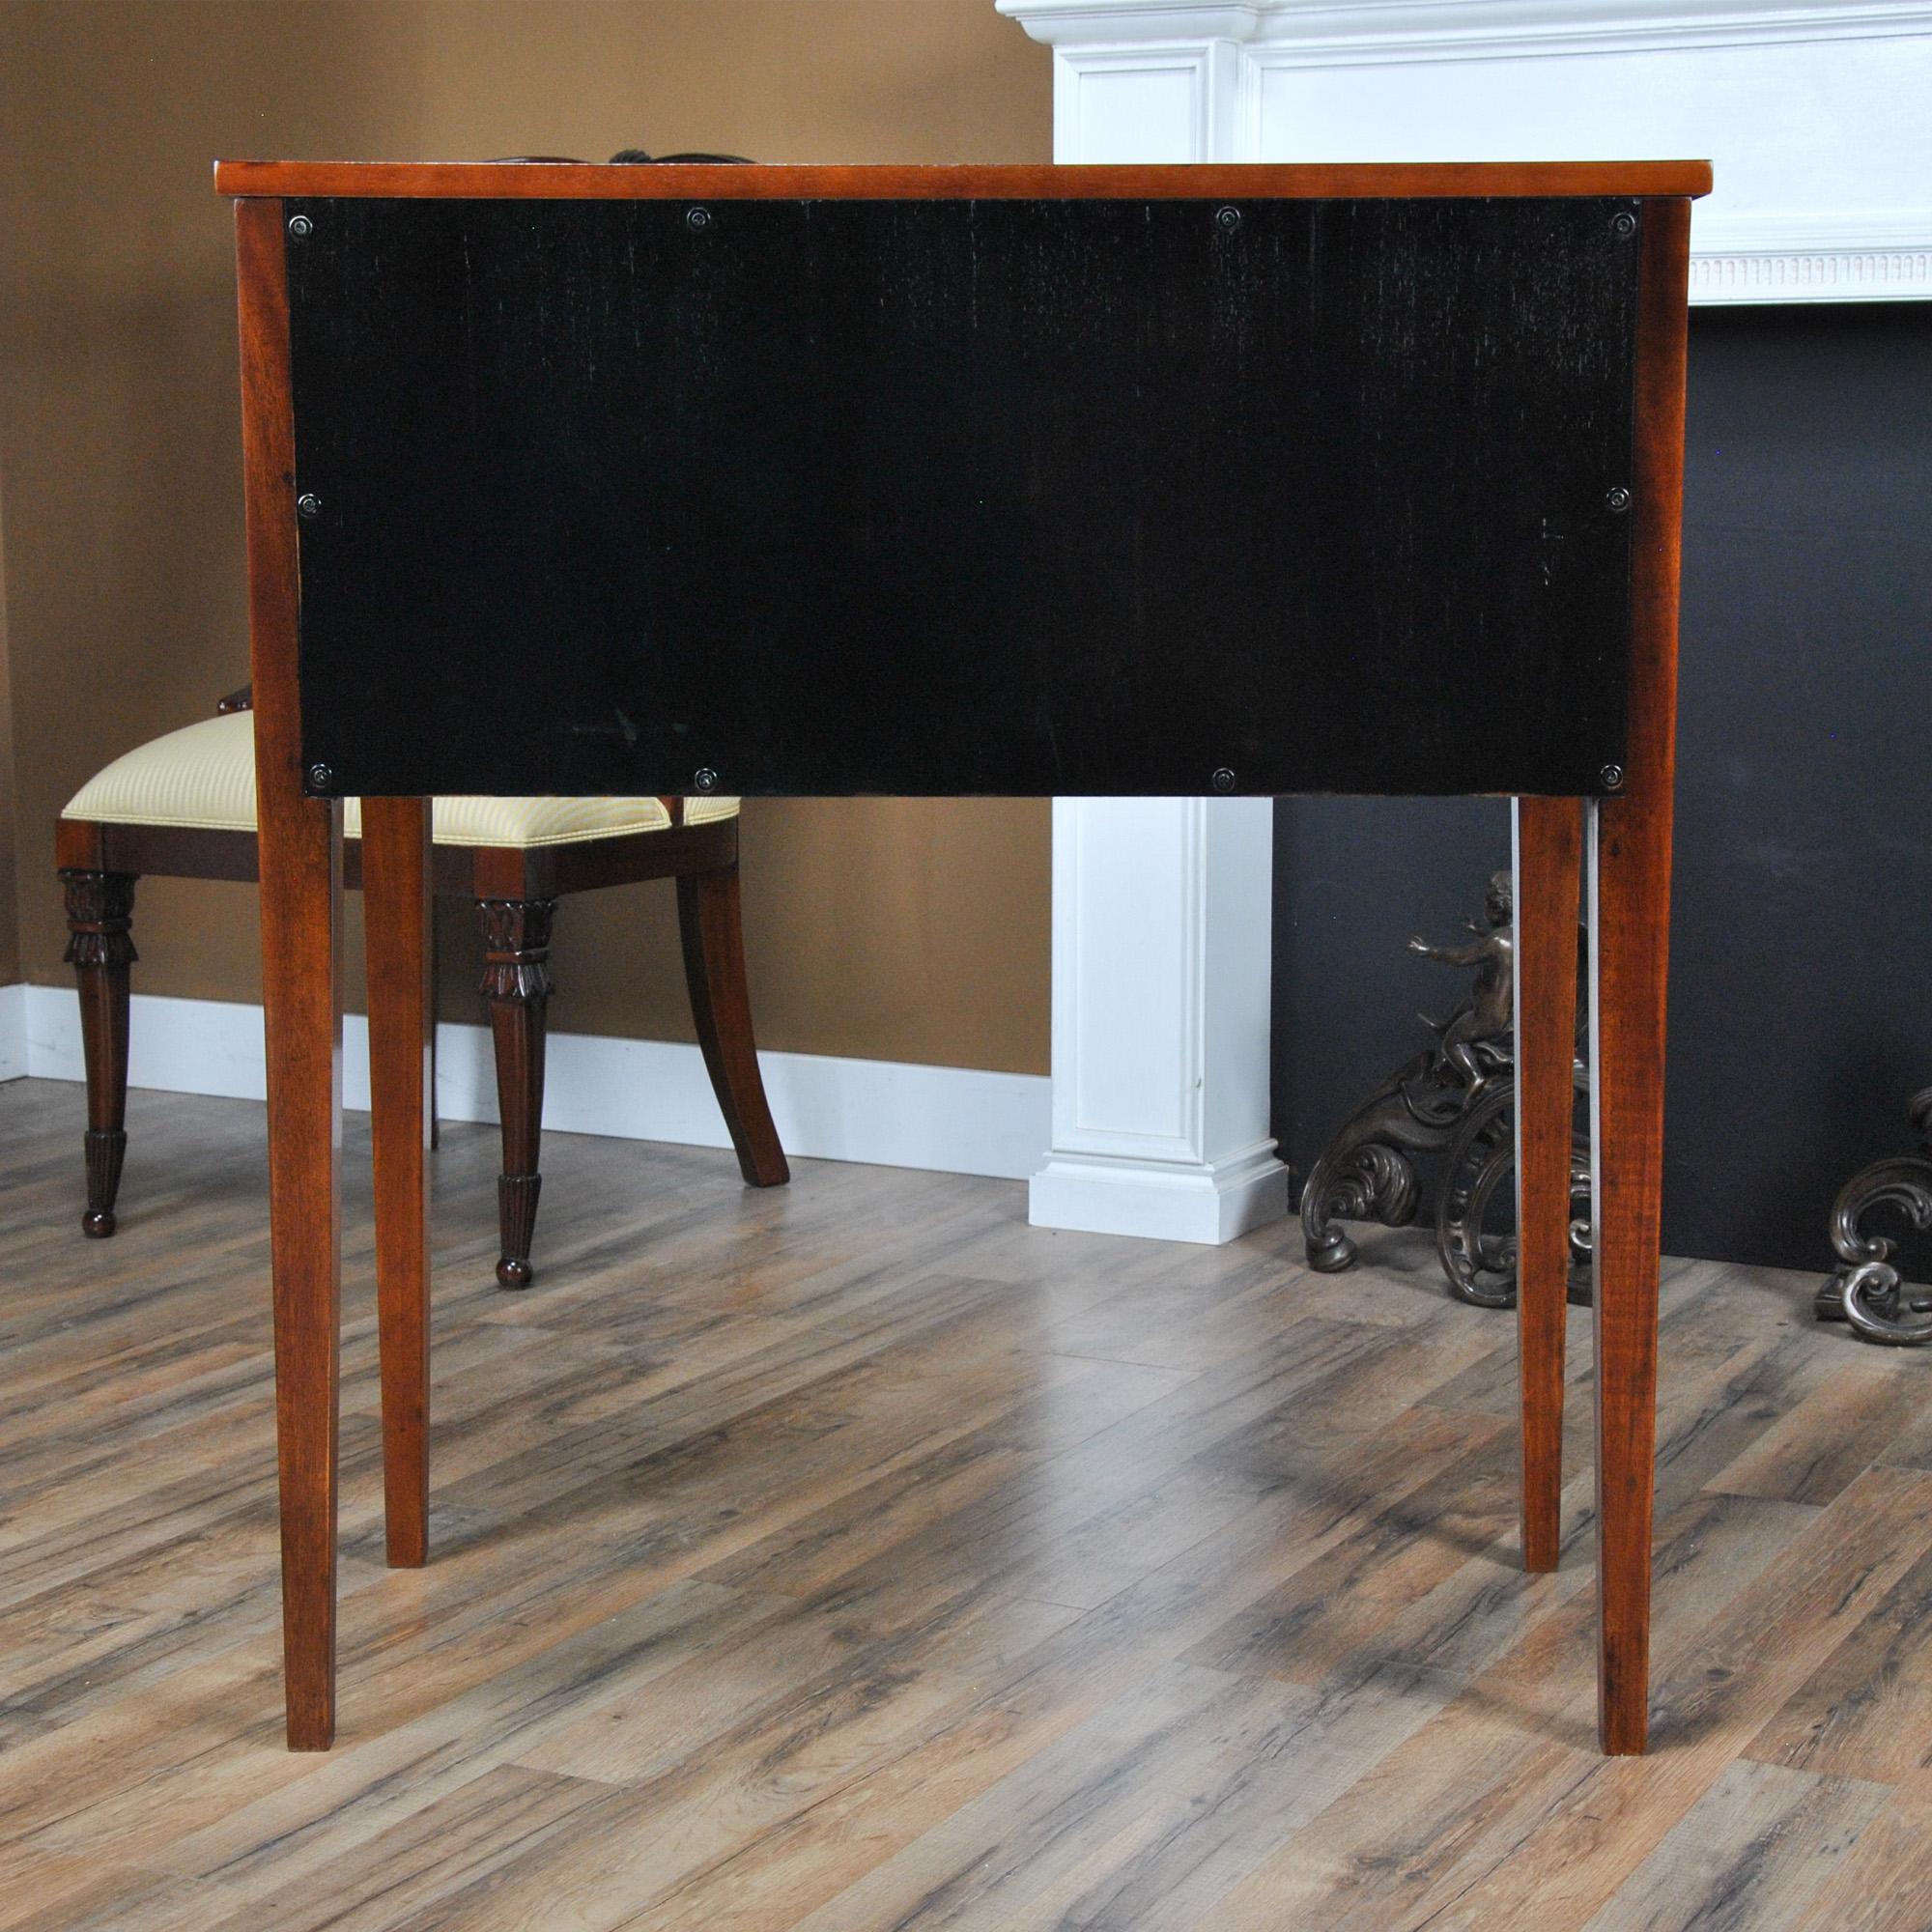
(1365, 1173)
(1477, 1191)
(1458, 1100)
(1867, 1290)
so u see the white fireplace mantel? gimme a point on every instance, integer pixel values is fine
(1817, 118)
(1814, 117)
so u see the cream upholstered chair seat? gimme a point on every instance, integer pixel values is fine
(183, 806)
(203, 777)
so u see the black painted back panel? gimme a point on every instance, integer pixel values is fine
(1073, 496)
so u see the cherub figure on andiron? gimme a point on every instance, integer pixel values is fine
(1459, 1097)
(1488, 1012)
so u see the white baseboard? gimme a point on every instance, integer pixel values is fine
(887, 1113)
(1179, 1203)
(12, 1032)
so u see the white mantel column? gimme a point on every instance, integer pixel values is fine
(1161, 906)
(1161, 914)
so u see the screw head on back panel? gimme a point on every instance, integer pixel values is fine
(1227, 219)
(308, 504)
(704, 779)
(1613, 776)
(301, 225)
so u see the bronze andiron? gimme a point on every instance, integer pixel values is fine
(1457, 1099)
(1867, 1290)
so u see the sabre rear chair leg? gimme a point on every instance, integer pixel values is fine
(712, 927)
(100, 950)
(1548, 853)
(516, 984)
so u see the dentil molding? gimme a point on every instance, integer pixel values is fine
(1816, 117)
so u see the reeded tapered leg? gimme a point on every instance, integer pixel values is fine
(713, 931)
(1548, 853)
(516, 984)
(100, 948)
(396, 908)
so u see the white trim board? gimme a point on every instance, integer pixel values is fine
(12, 1032)
(887, 1112)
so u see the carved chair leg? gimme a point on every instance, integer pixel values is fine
(100, 948)
(714, 970)
(516, 984)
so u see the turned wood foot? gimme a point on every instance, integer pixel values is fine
(100, 950)
(516, 1220)
(104, 1151)
(516, 984)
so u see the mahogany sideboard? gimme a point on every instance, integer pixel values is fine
(1242, 480)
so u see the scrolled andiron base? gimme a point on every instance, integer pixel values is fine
(1456, 1100)
(1867, 1290)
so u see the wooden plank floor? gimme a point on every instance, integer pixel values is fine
(854, 1556)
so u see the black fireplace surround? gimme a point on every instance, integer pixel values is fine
(1801, 993)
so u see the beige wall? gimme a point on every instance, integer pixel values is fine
(896, 929)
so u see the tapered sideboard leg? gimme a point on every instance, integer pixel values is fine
(1629, 919)
(1548, 880)
(1627, 847)
(396, 920)
(302, 872)
(301, 847)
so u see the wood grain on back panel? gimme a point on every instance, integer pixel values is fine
(1106, 496)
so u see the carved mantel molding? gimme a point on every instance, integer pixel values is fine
(1813, 115)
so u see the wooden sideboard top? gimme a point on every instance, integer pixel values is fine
(575, 180)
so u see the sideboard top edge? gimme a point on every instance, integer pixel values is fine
(577, 181)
